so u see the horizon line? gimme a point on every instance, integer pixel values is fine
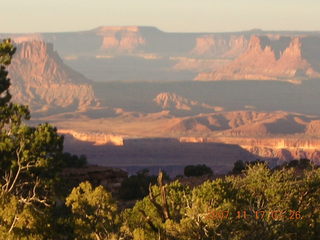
(159, 29)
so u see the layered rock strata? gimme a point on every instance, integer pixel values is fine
(40, 79)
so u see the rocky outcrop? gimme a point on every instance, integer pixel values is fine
(173, 101)
(179, 106)
(41, 80)
(267, 59)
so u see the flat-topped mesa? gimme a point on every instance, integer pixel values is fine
(267, 59)
(104, 29)
(41, 80)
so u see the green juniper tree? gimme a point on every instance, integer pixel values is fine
(29, 163)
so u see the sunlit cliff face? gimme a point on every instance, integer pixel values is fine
(96, 138)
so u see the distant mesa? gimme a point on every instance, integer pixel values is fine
(106, 29)
(123, 39)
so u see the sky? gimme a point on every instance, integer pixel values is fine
(167, 15)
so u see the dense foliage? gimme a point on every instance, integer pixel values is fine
(261, 204)
(137, 186)
(253, 203)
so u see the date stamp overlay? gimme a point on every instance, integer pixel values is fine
(276, 215)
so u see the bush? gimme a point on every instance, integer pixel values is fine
(137, 186)
(239, 166)
(197, 170)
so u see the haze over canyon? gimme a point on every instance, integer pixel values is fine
(138, 96)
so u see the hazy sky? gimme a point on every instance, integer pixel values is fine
(168, 15)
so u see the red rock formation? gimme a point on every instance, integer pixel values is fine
(266, 63)
(41, 80)
(171, 100)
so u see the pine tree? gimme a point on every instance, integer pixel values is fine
(6, 52)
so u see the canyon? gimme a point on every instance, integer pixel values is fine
(137, 96)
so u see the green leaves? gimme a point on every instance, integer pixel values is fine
(94, 211)
(6, 52)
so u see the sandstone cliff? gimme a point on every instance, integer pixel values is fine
(267, 59)
(41, 80)
(278, 148)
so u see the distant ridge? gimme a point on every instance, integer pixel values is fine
(145, 53)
